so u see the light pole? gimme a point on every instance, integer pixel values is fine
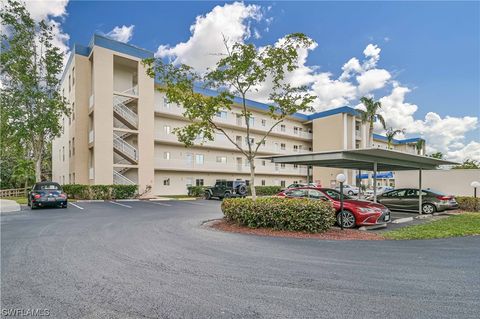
(341, 179)
(475, 184)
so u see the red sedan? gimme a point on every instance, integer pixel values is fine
(355, 212)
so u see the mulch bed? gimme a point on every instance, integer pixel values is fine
(332, 234)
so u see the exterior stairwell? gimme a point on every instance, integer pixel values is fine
(123, 113)
(124, 149)
(119, 178)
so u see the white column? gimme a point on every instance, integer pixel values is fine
(420, 190)
(375, 182)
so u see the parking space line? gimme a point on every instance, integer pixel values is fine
(120, 204)
(191, 203)
(161, 204)
(76, 206)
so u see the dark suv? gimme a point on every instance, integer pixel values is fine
(227, 189)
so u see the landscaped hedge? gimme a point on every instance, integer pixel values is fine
(79, 191)
(467, 203)
(279, 213)
(196, 191)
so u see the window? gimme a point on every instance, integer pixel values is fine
(166, 181)
(263, 163)
(252, 141)
(199, 159)
(166, 155)
(264, 122)
(69, 83)
(276, 166)
(167, 129)
(166, 103)
(263, 143)
(189, 158)
(282, 128)
(59, 155)
(283, 146)
(312, 193)
(397, 193)
(73, 145)
(276, 146)
(251, 121)
(282, 165)
(295, 130)
(263, 182)
(282, 183)
(69, 120)
(63, 149)
(295, 148)
(69, 149)
(73, 111)
(222, 159)
(199, 182)
(73, 76)
(295, 166)
(189, 181)
(222, 115)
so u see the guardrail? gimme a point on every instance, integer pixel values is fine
(14, 192)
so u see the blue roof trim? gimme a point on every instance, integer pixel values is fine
(339, 110)
(379, 137)
(121, 47)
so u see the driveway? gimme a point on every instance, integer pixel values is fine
(154, 260)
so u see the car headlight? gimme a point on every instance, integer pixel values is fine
(367, 210)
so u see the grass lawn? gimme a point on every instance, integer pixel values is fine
(465, 224)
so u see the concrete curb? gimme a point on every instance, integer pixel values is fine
(126, 200)
(9, 206)
(373, 227)
(402, 220)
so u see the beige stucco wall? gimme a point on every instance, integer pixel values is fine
(451, 182)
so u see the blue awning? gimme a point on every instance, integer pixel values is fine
(379, 175)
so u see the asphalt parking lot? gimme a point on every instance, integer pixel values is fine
(155, 260)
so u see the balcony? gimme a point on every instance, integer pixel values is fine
(358, 134)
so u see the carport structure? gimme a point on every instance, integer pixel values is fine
(371, 159)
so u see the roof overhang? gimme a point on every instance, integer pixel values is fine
(363, 159)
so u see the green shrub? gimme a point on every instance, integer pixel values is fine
(196, 191)
(467, 203)
(266, 190)
(79, 191)
(280, 213)
(123, 191)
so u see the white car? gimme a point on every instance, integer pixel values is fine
(349, 190)
(380, 191)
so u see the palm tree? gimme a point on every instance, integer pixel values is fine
(419, 145)
(390, 134)
(370, 115)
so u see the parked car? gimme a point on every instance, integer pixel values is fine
(348, 189)
(355, 212)
(46, 194)
(407, 199)
(297, 185)
(380, 191)
(227, 189)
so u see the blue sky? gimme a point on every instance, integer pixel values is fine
(430, 50)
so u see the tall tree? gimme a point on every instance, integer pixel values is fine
(438, 155)
(239, 72)
(419, 146)
(390, 134)
(468, 164)
(370, 115)
(31, 64)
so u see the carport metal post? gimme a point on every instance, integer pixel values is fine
(420, 190)
(374, 182)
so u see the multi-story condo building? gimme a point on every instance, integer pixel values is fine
(121, 128)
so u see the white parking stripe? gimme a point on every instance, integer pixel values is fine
(76, 206)
(161, 204)
(120, 204)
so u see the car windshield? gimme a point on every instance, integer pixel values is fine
(50, 187)
(334, 194)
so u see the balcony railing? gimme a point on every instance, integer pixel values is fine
(91, 101)
(121, 179)
(90, 136)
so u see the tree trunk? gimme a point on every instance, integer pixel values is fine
(252, 180)
(370, 136)
(38, 169)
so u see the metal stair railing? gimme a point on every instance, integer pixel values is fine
(120, 108)
(121, 179)
(125, 147)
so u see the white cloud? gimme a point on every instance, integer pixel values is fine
(205, 44)
(470, 151)
(122, 34)
(372, 80)
(53, 11)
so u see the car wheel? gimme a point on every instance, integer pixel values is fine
(227, 195)
(348, 219)
(208, 195)
(428, 209)
(350, 193)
